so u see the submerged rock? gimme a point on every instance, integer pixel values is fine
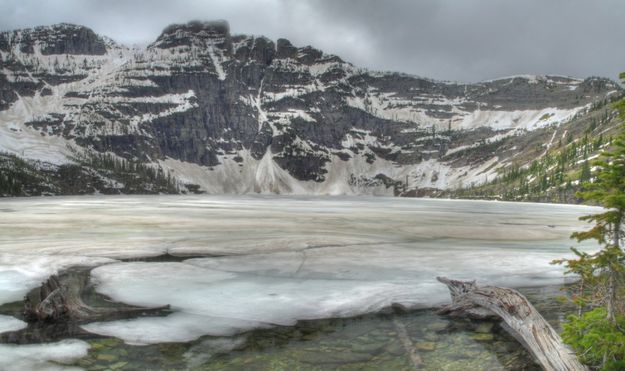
(483, 337)
(370, 348)
(437, 326)
(484, 327)
(427, 346)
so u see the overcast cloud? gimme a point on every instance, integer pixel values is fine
(463, 40)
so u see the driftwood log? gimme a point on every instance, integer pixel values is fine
(60, 298)
(521, 320)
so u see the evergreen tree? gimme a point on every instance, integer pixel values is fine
(608, 190)
(585, 174)
(597, 335)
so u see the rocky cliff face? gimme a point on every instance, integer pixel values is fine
(223, 113)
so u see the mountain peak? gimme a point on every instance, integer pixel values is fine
(184, 33)
(61, 38)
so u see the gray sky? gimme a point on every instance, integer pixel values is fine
(463, 40)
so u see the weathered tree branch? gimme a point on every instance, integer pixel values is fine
(521, 319)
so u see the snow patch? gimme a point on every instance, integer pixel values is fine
(526, 119)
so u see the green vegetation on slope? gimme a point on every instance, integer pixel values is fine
(555, 173)
(94, 173)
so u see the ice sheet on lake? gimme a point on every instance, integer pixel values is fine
(211, 302)
(177, 327)
(278, 259)
(8, 324)
(400, 264)
(141, 226)
(42, 357)
(229, 295)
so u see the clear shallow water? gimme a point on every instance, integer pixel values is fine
(268, 261)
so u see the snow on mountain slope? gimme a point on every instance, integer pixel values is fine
(239, 114)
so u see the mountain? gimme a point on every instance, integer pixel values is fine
(202, 110)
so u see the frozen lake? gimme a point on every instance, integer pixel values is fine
(249, 262)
